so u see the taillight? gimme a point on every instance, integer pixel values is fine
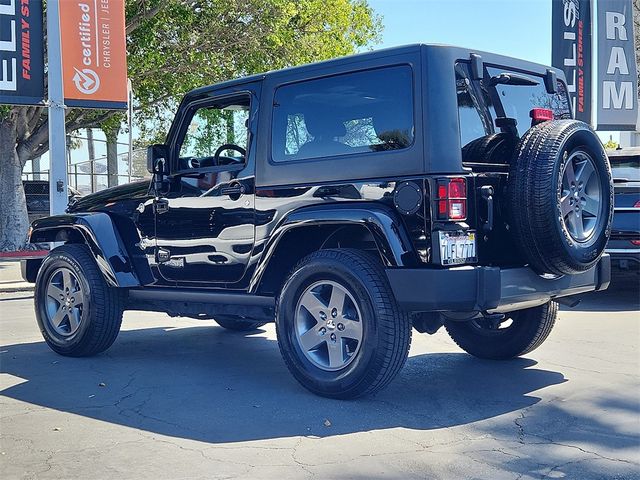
(637, 204)
(452, 199)
(539, 115)
(636, 242)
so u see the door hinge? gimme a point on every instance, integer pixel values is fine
(161, 205)
(163, 255)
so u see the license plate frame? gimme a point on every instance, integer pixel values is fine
(457, 247)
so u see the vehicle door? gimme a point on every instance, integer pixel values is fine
(205, 222)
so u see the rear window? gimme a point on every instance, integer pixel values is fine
(353, 113)
(480, 104)
(625, 167)
(517, 101)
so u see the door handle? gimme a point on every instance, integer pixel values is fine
(161, 205)
(233, 190)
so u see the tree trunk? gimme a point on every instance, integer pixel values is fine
(14, 219)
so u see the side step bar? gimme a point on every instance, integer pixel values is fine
(200, 296)
(201, 304)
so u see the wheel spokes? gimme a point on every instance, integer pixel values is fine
(59, 317)
(566, 206)
(328, 325)
(585, 172)
(336, 353)
(310, 339)
(65, 302)
(312, 304)
(54, 292)
(591, 205)
(569, 173)
(337, 299)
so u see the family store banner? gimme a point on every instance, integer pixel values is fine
(21, 52)
(571, 51)
(94, 61)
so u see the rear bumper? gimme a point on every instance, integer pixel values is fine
(624, 258)
(468, 288)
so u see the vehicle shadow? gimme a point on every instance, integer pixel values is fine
(207, 384)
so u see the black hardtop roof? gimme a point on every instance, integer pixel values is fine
(453, 52)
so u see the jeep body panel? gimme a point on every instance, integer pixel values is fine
(100, 234)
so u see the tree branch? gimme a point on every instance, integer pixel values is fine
(142, 17)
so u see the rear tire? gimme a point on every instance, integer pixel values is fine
(79, 315)
(237, 323)
(528, 330)
(340, 331)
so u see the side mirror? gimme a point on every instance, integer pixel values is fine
(157, 159)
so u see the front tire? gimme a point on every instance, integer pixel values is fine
(79, 315)
(519, 333)
(340, 330)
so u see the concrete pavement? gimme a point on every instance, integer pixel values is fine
(11, 278)
(185, 399)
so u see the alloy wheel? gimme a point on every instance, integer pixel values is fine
(65, 302)
(328, 325)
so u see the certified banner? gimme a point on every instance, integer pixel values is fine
(571, 51)
(94, 58)
(617, 70)
(21, 52)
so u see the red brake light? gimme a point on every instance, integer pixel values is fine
(452, 199)
(541, 115)
(442, 204)
(636, 242)
(457, 199)
(637, 204)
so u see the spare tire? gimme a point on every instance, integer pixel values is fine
(493, 148)
(560, 197)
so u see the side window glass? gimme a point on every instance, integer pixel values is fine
(473, 125)
(216, 136)
(352, 113)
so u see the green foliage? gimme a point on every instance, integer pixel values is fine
(187, 44)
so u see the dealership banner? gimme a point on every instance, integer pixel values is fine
(21, 52)
(617, 77)
(571, 51)
(94, 59)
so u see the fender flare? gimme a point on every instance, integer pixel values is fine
(388, 232)
(100, 235)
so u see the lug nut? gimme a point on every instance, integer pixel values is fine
(322, 331)
(323, 316)
(333, 337)
(334, 313)
(341, 326)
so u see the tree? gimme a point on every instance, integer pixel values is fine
(174, 46)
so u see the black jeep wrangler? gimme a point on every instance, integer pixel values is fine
(348, 201)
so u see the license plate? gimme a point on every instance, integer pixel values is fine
(457, 248)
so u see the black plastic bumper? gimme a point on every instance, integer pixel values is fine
(468, 288)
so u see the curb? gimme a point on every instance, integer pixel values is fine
(16, 287)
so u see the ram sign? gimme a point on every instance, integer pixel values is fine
(571, 51)
(617, 77)
(21, 52)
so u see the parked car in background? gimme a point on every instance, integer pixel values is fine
(624, 244)
(37, 194)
